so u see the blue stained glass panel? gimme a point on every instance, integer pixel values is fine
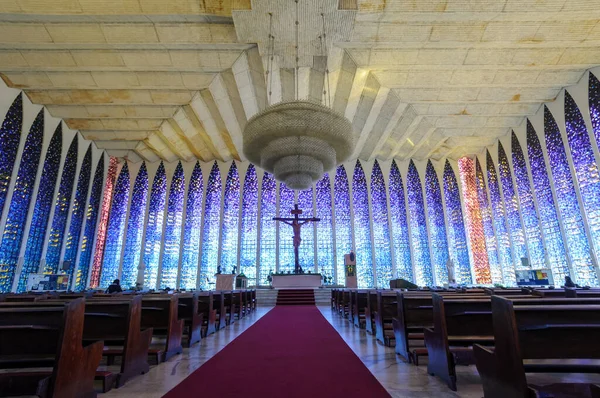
(231, 220)
(400, 225)
(286, 234)
(362, 229)
(457, 245)
(343, 224)
(306, 251)
(192, 230)
(249, 229)
(418, 227)
(61, 209)
(10, 136)
(154, 227)
(325, 262)
(170, 259)
(267, 241)
(41, 210)
(437, 225)
(89, 233)
(115, 229)
(555, 247)
(568, 205)
(210, 235)
(19, 205)
(594, 101)
(135, 228)
(381, 230)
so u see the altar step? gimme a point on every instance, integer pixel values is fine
(268, 297)
(295, 297)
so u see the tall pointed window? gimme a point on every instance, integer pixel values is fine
(400, 225)
(594, 101)
(249, 228)
(170, 260)
(437, 225)
(457, 246)
(231, 220)
(154, 227)
(192, 230)
(307, 248)
(135, 228)
(286, 247)
(343, 225)
(115, 229)
(210, 235)
(568, 205)
(325, 263)
(362, 229)
(418, 227)
(41, 210)
(381, 229)
(267, 241)
(19, 205)
(10, 136)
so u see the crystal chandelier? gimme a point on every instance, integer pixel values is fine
(298, 141)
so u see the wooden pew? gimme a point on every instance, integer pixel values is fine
(590, 293)
(208, 312)
(386, 310)
(414, 313)
(350, 313)
(160, 313)
(219, 305)
(548, 292)
(538, 338)
(229, 306)
(344, 307)
(254, 301)
(359, 303)
(47, 336)
(370, 310)
(193, 319)
(333, 298)
(238, 303)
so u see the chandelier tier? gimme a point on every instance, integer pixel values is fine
(297, 141)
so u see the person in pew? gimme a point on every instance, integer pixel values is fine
(569, 282)
(114, 287)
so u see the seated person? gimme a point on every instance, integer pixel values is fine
(114, 287)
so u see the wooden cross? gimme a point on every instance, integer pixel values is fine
(296, 222)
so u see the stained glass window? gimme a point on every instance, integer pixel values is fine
(91, 219)
(491, 244)
(498, 215)
(457, 247)
(170, 260)
(325, 262)
(135, 228)
(418, 227)
(343, 225)
(594, 101)
(115, 229)
(362, 229)
(249, 227)
(306, 252)
(109, 187)
(81, 192)
(210, 234)
(400, 225)
(19, 205)
(231, 220)
(10, 136)
(437, 226)
(41, 210)
(192, 230)
(267, 241)
(568, 205)
(154, 227)
(286, 243)
(555, 248)
(61, 209)
(381, 229)
(586, 172)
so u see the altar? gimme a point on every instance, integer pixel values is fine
(296, 281)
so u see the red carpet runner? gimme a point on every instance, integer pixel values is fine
(292, 351)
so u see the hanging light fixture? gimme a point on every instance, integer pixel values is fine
(298, 141)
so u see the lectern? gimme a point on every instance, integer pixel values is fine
(225, 282)
(350, 265)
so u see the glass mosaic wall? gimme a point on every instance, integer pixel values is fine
(135, 228)
(325, 253)
(10, 136)
(343, 222)
(172, 240)
(306, 252)
(41, 210)
(249, 228)
(399, 225)
(285, 232)
(418, 228)
(231, 221)
(381, 228)
(210, 229)
(154, 227)
(192, 230)
(362, 229)
(437, 226)
(594, 101)
(268, 239)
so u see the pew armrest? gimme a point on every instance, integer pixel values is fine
(498, 380)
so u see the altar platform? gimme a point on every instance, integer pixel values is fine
(296, 281)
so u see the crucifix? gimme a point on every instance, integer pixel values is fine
(296, 223)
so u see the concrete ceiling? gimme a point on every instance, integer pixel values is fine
(178, 79)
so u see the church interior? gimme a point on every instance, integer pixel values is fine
(286, 198)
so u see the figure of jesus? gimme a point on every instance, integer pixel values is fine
(296, 223)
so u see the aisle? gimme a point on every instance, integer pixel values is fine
(290, 352)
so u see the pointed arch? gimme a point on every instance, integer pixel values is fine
(249, 228)
(192, 230)
(286, 247)
(399, 223)
(568, 205)
(154, 227)
(91, 219)
(437, 225)
(19, 205)
(324, 243)
(267, 241)
(343, 223)
(135, 228)
(10, 137)
(172, 240)
(418, 227)
(381, 230)
(210, 234)
(231, 220)
(362, 228)
(115, 229)
(41, 210)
